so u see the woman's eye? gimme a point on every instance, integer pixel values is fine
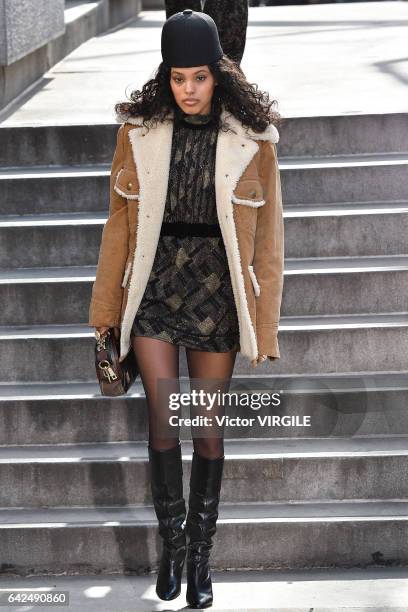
(179, 79)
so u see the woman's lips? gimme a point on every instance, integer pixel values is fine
(190, 103)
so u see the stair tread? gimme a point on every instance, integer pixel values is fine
(287, 323)
(292, 266)
(285, 163)
(339, 209)
(67, 171)
(345, 264)
(343, 161)
(292, 383)
(53, 219)
(333, 511)
(242, 448)
(290, 211)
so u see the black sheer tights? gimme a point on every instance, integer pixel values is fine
(160, 359)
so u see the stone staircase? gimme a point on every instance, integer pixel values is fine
(74, 494)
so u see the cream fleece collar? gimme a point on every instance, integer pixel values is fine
(270, 133)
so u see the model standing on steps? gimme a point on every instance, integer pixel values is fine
(192, 255)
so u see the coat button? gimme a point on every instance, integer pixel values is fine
(129, 185)
(252, 194)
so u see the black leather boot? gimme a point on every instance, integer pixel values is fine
(167, 492)
(205, 486)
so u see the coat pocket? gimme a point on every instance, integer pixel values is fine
(127, 184)
(247, 198)
(249, 192)
(257, 289)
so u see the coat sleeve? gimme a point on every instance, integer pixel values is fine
(107, 291)
(269, 254)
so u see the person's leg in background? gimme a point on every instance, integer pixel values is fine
(230, 16)
(178, 6)
(156, 360)
(210, 372)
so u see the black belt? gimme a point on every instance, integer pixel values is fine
(190, 229)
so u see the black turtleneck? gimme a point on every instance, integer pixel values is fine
(194, 119)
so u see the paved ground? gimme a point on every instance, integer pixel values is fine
(376, 590)
(315, 60)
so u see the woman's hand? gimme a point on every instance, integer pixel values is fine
(103, 330)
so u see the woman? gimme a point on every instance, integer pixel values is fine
(191, 255)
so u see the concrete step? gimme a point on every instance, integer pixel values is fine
(57, 145)
(267, 470)
(346, 229)
(71, 239)
(344, 285)
(314, 344)
(317, 180)
(339, 230)
(97, 539)
(44, 190)
(344, 134)
(42, 296)
(374, 589)
(344, 178)
(340, 404)
(300, 136)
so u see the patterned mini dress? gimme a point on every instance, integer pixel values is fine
(188, 299)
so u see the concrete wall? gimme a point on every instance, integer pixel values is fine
(26, 25)
(28, 67)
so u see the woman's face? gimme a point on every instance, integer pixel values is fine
(195, 83)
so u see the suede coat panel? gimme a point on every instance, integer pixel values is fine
(250, 214)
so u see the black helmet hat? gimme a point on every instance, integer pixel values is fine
(190, 38)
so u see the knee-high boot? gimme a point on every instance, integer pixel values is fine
(205, 486)
(170, 507)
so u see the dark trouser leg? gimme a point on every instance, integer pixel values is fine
(231, 18)
(177, 6)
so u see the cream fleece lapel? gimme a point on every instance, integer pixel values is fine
(151, 152)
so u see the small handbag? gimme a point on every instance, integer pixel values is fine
(115, 377)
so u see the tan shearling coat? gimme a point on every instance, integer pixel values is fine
(249, 210)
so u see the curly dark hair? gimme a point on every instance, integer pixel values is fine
(252, 107)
